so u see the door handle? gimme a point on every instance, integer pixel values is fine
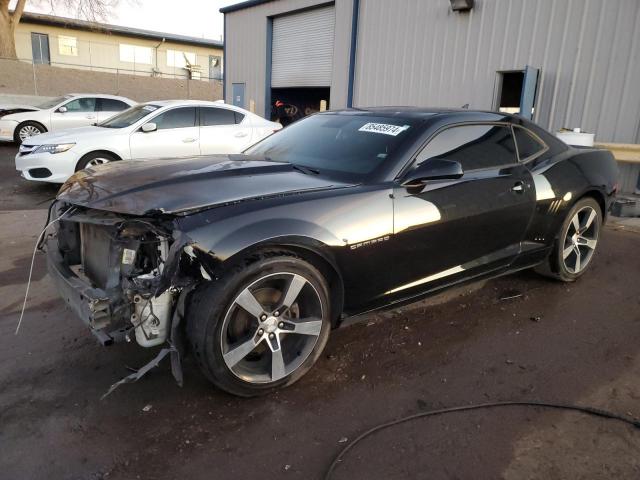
(188, 140)
(518, 187)
(91, 117)
(241, 134)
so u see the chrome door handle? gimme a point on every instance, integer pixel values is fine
(188, 140)
(241, 134)
(518, 187)
(91, 117)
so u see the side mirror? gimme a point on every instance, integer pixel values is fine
(62, 109)
(433, 169)
(149, 127)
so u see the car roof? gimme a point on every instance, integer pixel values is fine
(165, 103)
(101, 95)
(425, 113)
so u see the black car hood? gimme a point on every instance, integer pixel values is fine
(180, 186)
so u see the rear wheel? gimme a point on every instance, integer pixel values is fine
(94, 159)
(577, 242)
(261, 326)
(27, 130)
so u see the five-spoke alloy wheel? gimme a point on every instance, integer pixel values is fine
(580, 239)
(271, 327)
(576, 243)
(262, 326)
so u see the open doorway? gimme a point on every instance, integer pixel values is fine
(292, 103)
(515, 91)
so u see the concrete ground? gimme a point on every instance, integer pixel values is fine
(519, 337)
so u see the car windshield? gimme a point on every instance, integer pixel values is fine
(129, 116)
(53, 102)
(351, 145)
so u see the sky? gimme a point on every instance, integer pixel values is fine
(197, 18)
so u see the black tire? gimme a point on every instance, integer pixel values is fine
(27, 125)
(211, 306)
(93, 157)
(556, 265)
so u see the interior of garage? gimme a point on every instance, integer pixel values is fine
(298, 102)
(301, 62)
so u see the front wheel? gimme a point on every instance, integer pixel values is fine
(577, 242)
(260, 326)
(94, 159)
(27, 130)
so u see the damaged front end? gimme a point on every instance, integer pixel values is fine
(124, 276)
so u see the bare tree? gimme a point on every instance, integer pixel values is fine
(92, 10)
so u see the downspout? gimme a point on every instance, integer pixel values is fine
(352, 51)
(267, 73)
(224, 58)
(156, 52)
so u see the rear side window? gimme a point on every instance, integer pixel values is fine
(528, 145)
(111, 105)
(176, 118)
(474, 146)
(217, 116)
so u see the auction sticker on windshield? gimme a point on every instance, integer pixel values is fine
(383, 128)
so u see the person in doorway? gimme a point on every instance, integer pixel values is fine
(282, 114)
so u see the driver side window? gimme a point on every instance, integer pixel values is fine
(474, 146)
(81, 105)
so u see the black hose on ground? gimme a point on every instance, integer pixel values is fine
(560, 406)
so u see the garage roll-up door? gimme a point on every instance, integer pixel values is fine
(302, 49)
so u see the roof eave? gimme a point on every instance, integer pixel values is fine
(242, 5)
(41, 19)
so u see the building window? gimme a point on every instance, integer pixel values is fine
(179, 59)
(67, 46)
(136, 54)
(40, 48)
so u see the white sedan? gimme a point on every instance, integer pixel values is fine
(19, 122)
(162, 129)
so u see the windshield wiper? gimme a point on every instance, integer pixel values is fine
(305, 170)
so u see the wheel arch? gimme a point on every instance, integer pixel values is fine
(310, 250)
(108, 152)
(598, 196)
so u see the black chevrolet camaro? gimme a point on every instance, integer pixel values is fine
(253, 258)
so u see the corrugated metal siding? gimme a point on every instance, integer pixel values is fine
(418, 52)
(246, 40)
(303, 48)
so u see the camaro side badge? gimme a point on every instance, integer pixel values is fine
(369, 242)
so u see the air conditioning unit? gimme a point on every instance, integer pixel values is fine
(461, 5)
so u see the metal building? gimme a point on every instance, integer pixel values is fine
(565, 63)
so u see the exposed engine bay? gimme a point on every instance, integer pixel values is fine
(132, 272)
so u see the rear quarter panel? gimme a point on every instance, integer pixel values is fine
(562, 180)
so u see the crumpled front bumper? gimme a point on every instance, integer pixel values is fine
(7, 128)
(95, 307)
